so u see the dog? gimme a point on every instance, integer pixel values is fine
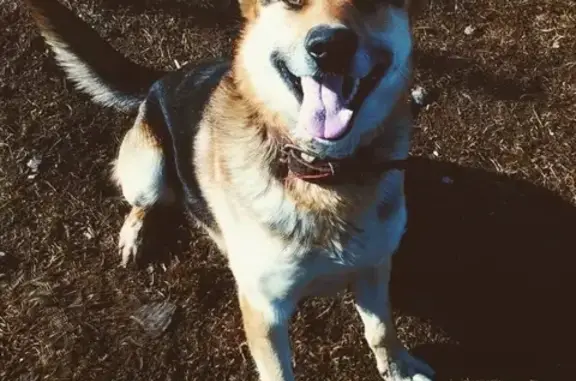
(290, 154)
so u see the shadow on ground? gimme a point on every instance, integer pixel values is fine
(462, 73)
(489, 260)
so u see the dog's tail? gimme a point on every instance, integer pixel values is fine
(93, 65)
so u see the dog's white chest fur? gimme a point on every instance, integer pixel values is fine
(278, 269)
(380, 230)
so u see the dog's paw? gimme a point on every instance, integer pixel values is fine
(405, 367)
(130, 240)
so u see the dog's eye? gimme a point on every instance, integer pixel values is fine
(294, 4)
(372, 5)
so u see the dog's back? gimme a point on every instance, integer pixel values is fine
(173, 109)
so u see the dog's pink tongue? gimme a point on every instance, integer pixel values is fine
(323, 112)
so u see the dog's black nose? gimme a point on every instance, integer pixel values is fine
(332, 48)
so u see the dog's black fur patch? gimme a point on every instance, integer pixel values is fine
(174, 108)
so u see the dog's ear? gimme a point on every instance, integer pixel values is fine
(415, 7)
(249, 8)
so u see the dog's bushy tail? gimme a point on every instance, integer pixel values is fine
(93, 65)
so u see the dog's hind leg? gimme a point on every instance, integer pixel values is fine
(372, 302)
(141, 174)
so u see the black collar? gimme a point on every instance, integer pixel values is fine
(363, 167)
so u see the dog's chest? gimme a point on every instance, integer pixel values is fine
(380, 231)
(279, 267)
(329, 273)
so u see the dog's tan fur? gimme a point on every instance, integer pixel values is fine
(285, 238)
(262, 341)
(240, 139)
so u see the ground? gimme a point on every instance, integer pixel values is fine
(482, 284)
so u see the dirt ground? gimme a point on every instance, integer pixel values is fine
(483, 286)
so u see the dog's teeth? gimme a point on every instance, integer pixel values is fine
(355, 86)
(307, 158)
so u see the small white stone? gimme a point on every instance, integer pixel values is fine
(469, 30)
(419, 95)
(34, 163)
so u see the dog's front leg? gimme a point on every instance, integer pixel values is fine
(266, 330)
(372, 302)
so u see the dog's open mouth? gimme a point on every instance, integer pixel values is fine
(330, 102)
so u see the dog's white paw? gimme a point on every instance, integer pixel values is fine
(130, 240)
(405, 367)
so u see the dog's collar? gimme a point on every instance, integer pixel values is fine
(363, 167)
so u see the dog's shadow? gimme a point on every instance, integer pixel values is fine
(490, 261)
(464, 74)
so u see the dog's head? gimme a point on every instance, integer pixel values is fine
(331, 70)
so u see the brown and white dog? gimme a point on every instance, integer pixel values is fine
(289, 154)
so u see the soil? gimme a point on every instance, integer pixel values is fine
(482, 283)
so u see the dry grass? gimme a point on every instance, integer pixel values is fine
(483, 284)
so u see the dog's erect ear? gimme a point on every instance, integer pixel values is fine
(249, 8)
(415, 7)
